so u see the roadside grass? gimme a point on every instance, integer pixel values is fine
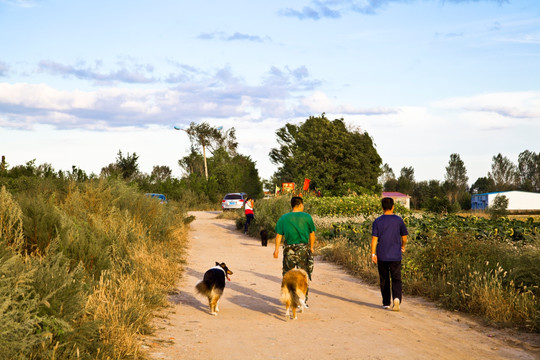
(83, 269)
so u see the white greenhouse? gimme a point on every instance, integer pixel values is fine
(517, 200)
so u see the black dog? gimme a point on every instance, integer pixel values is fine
(213, 284)
(264, 237)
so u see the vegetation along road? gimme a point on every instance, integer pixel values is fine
(345, 319)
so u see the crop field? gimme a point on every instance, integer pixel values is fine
(487, 267)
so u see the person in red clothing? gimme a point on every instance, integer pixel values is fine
(248, 210)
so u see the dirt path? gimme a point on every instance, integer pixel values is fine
(345, 319)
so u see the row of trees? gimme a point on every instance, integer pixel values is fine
(454, 193)
(212, 169)
(340, 159)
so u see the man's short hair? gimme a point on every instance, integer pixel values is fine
(296, 201)
(387, 203)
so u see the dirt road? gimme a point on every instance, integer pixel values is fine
(345, 319)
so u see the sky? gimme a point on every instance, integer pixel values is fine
(81, 80)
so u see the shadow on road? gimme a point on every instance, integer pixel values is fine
(313, 290)
(250, 299)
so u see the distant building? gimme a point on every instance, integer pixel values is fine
(398, 197)
(517, 200)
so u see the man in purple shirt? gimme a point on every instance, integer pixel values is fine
(388, 239)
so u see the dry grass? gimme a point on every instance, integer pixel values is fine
(99, 283)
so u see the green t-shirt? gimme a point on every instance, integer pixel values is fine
(296, 227)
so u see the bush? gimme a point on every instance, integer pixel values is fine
(267, 213)
(498, 209)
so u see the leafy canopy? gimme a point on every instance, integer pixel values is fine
(335, 157)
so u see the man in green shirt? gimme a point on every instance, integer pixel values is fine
(299, 231)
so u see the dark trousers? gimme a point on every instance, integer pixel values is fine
(249, 217)
(390, 270)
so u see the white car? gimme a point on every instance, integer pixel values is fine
(233, 201)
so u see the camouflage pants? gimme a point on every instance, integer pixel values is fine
(298, 256)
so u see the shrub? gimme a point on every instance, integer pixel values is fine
(498, 209)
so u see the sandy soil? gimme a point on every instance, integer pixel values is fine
(345, 319)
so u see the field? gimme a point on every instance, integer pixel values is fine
(468, 263)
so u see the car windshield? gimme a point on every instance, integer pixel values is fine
(233, 197)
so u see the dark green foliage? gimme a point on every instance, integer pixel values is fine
(529, 171)
(267, 213)
(329, 153)
(483, 185)
(499, 207)
(405, 181)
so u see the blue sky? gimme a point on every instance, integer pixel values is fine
(425, 78)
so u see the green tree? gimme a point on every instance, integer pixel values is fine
(529, 171)
(160, 174)
(405, 182)
(456, 178)
(499, 207)
(3, 165)
(483, 185)
(204, 136)
(336, 159)
(235, 173)
(125, 167)
(503, 173)
(387, 174)
(230, 171)
(429, 195)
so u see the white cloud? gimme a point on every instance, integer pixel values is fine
(318, 102)
(496, 110)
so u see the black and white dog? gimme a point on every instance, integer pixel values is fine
(213, 284)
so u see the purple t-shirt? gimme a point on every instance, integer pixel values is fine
(389, 229)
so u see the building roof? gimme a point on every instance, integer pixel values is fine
(393, 194)
(507, 191)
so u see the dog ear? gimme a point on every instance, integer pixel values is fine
(217, 264)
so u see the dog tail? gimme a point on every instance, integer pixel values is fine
(202, 288)
(289, 295)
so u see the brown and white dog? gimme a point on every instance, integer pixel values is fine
(294, 287)
(213, 284)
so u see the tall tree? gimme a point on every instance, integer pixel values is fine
(456, 178)
(337, 159)
(430, 195)
(127, 164)
(125, 167)
(503, 173)
(529, 171)
(405, 182)
(387, 174)
(204, 136)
